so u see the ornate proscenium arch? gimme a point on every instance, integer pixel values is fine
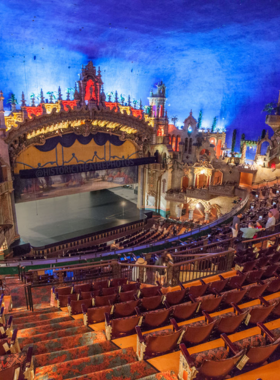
(83, 121)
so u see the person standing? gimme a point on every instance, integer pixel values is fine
(248, 233)
(236, 225)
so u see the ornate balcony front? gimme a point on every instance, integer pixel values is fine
(177, 195)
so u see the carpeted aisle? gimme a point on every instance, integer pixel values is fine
(64, 349)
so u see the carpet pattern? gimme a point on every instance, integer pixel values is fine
(66, 349)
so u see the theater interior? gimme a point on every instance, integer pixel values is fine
(140, 239)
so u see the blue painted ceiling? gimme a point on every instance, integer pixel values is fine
(219, 56)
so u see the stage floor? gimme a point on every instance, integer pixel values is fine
(56, 219)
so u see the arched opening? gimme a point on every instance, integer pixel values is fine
(177, 143)
(264, 147)
(204, 151)
(217, 178)
(169, 139)
(219, 149)
(174, 143)
(186, 144)
(201, 181)
(213, 212)
(185, 183)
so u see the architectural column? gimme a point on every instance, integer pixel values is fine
(191, 214)
(140, 195)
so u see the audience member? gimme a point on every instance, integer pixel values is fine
(259, 227)
(236, 225)
(249, 232)
(275, 212)
(270, 221)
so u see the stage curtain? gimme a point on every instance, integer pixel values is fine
(68, 140)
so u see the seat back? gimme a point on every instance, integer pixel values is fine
(219, 369)
(151, 303)
(118, 282)
(105, 300)
(210, 304)
(235, 296)
(185, 310)
(100, 284)
(260, 314)
(124, 326)
(255, 275)
(260, 354)
(217, 285)
(63, 299)
(230, 324)
(157, 345)
(274, 286)
(63, 291)
(129, 287)
(109, 291)
(198, 334)
(82, 288)
(249, 265)
(150, 291)
(125, 309)
(128, 296)
(154, 319)
(256, 291)
(198, 291)
(86, 295)
(96, 314)
(76, 306)
(236, 281)
(173, 298)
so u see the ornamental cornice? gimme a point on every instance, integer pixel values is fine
(103, 117)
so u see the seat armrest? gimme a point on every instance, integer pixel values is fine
(84, 309)
(264, 331)
(10, 322)
(238, 287)
(260, 282)
(216, 292)
(107, 318)
(239, 272)
(229, 344)
(236, 308)
(139, 334)
(166, 304)
(182, 286)
(221, 277)
(263, 301)
(208, 319)
(192, 298)
(202, 282)
(29, 357)
(186, 355)
(69, 301)
(14, 337)
(138, 312)
(174, 324)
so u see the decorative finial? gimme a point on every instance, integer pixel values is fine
(68, 94)
(190, 112)
(140, 105)
(128, 101)
(59, 93)
(99, 71)
(23, 104)
(51, 97)
(32, 100)
(42, 97)
(116, 97)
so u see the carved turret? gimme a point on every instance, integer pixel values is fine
(2, 112)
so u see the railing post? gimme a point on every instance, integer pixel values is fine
(60, 277)
(116, 269)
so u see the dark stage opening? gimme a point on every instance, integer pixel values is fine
(52, 220)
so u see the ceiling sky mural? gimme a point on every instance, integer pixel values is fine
(218, 56)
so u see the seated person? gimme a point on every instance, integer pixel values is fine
(270, 221)
(248, 233)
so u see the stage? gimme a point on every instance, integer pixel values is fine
(52, 220)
